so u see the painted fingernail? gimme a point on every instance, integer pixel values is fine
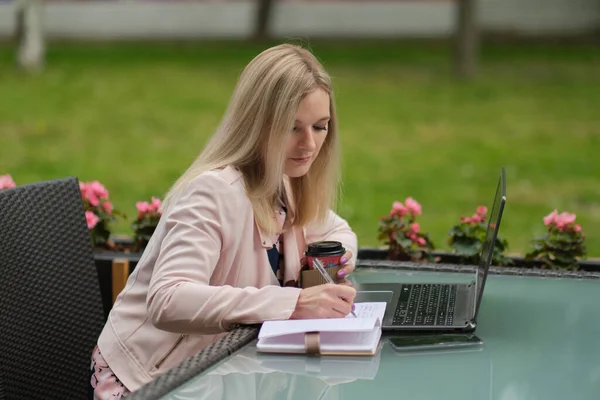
(343, 260)
(341, 273)
(353, 307)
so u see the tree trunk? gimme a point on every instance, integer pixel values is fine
(467, 41)
(19, 23)
(30, 35)
(263, 15)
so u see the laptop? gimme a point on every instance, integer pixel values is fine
(439, 307)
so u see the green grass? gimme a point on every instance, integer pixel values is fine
(133, 116)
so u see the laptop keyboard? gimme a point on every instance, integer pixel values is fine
(428, 304)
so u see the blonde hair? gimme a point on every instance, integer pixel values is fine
(254, 132)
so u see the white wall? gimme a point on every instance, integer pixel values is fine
(369, 18)
(6, 19)
(180, 19)
(541, 16)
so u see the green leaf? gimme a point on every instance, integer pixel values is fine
(404, 242)
(455, 230)
(564, 237)
(533, 254)
(565, 259)
(466, 248)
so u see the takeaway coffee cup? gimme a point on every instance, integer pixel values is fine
(328, 252)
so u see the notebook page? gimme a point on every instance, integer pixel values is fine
(353, 341)
(329, 342)
(369, 310)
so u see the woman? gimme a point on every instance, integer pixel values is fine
(229, 245)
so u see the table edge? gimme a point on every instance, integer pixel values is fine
(438, 267)
(198, 363)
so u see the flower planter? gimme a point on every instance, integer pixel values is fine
(108, 263)
(372, 253)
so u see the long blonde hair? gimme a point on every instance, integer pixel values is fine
(254, 131)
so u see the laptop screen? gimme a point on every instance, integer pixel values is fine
(490, 238)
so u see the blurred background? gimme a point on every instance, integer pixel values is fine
(434, 97)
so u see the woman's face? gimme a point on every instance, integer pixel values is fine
(308, 134)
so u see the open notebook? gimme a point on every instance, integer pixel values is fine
(331, 336)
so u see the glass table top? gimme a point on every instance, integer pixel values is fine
(541, 341)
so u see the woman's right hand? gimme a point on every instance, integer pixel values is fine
(324, 301)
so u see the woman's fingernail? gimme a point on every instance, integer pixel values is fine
(341, 273)
(343, 260)
(353, 307)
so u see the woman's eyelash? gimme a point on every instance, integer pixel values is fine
(317, 128)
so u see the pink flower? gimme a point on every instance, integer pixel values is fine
(91, 219)
(415, 227)
(93, 199)
(413, 207)
(482, 210)
(421, 241)
(550, 219)
(398, 209)
(476, 218)
(143, 208)
(562, 221)
(156, 203)
(98, 189)
(93, 192)
(6, 182)
(411, 235)
(578, 228)
(108, 207)
(565, 219)
(465, 220)
(88, 194)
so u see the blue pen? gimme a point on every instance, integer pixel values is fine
(319, 266)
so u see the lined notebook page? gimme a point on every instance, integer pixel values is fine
(368, 310)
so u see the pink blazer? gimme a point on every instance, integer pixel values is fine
(205, 269)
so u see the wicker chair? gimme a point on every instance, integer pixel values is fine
(2, 395)
(50, 305)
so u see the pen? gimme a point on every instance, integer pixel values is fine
(317, 263)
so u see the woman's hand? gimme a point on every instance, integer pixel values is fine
(346, 269)
(324, 301)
